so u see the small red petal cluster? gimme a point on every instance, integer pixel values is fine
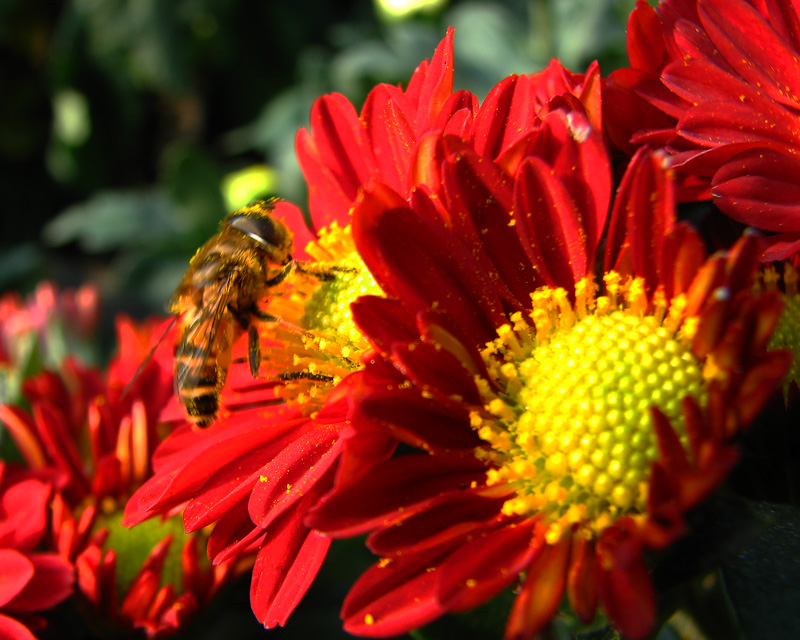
(31, 581)
(716, 83)
(93, 439)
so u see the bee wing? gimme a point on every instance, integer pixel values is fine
(203, 336)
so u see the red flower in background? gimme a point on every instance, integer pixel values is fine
(716, 83)
(564, 428)
(31, 581)
(94, 439)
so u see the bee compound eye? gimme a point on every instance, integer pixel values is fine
(263, 230)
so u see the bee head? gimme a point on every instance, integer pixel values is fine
(271, 234)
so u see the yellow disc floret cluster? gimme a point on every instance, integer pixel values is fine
(328, 308)
(571, 427)
(316, 343)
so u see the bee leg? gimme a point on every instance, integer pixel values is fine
(261, 315)
(253, 350)
(281, 275)
(303, 375)
(323, 272)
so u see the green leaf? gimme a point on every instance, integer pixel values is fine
(113, 220)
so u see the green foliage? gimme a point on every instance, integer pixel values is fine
(129, 114)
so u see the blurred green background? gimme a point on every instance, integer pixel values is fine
(128, 128)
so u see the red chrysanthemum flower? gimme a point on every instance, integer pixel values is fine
(95, 439)
(31, 581)
(274, 449)
(716, 83)
(565, 428)
(394, 140)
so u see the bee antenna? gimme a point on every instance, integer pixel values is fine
(148, 357)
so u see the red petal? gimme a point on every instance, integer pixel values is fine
(550, 226)
(435, 370)
(626, 592)
(713, 124)
(11, 629)
(577, 153)
(645, 205)
(23, 513)
(759, 383)
(51, 583)
(16, 571)
(453, 516)
(395, 597)
(760, 188)
(383, 321)
(423, 264)
(752, 47)
(582, 578)
(671, 452)
(335, 158)
(538, 600)
(293, 472)
(244, 460)
(400, 486)
(482, 568)
(683, 256)
(480, 201)
(425, 423)
(507, 113)
(234, 534)
(646, 49)
(389, 119)
(286, 566)
(437, 85)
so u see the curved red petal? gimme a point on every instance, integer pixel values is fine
(16, 571)
(435, 370)
(293, 472)
(285, 567)
(51, 583)
(437, 85)
(752, 48)
(389, 120)
(422, 263)
(481, 568)
(760, 188)
(550, 225)
(457, 514)
(626, 592)
(582, 588)
(479, 199)
(508, 111)
(541, 593)
(426, 423)
(399, 486)
(14, 630)
(394, 597)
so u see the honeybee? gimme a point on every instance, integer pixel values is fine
(217, 300)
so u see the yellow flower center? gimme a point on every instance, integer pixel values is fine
(318, 341)
(571, 428)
